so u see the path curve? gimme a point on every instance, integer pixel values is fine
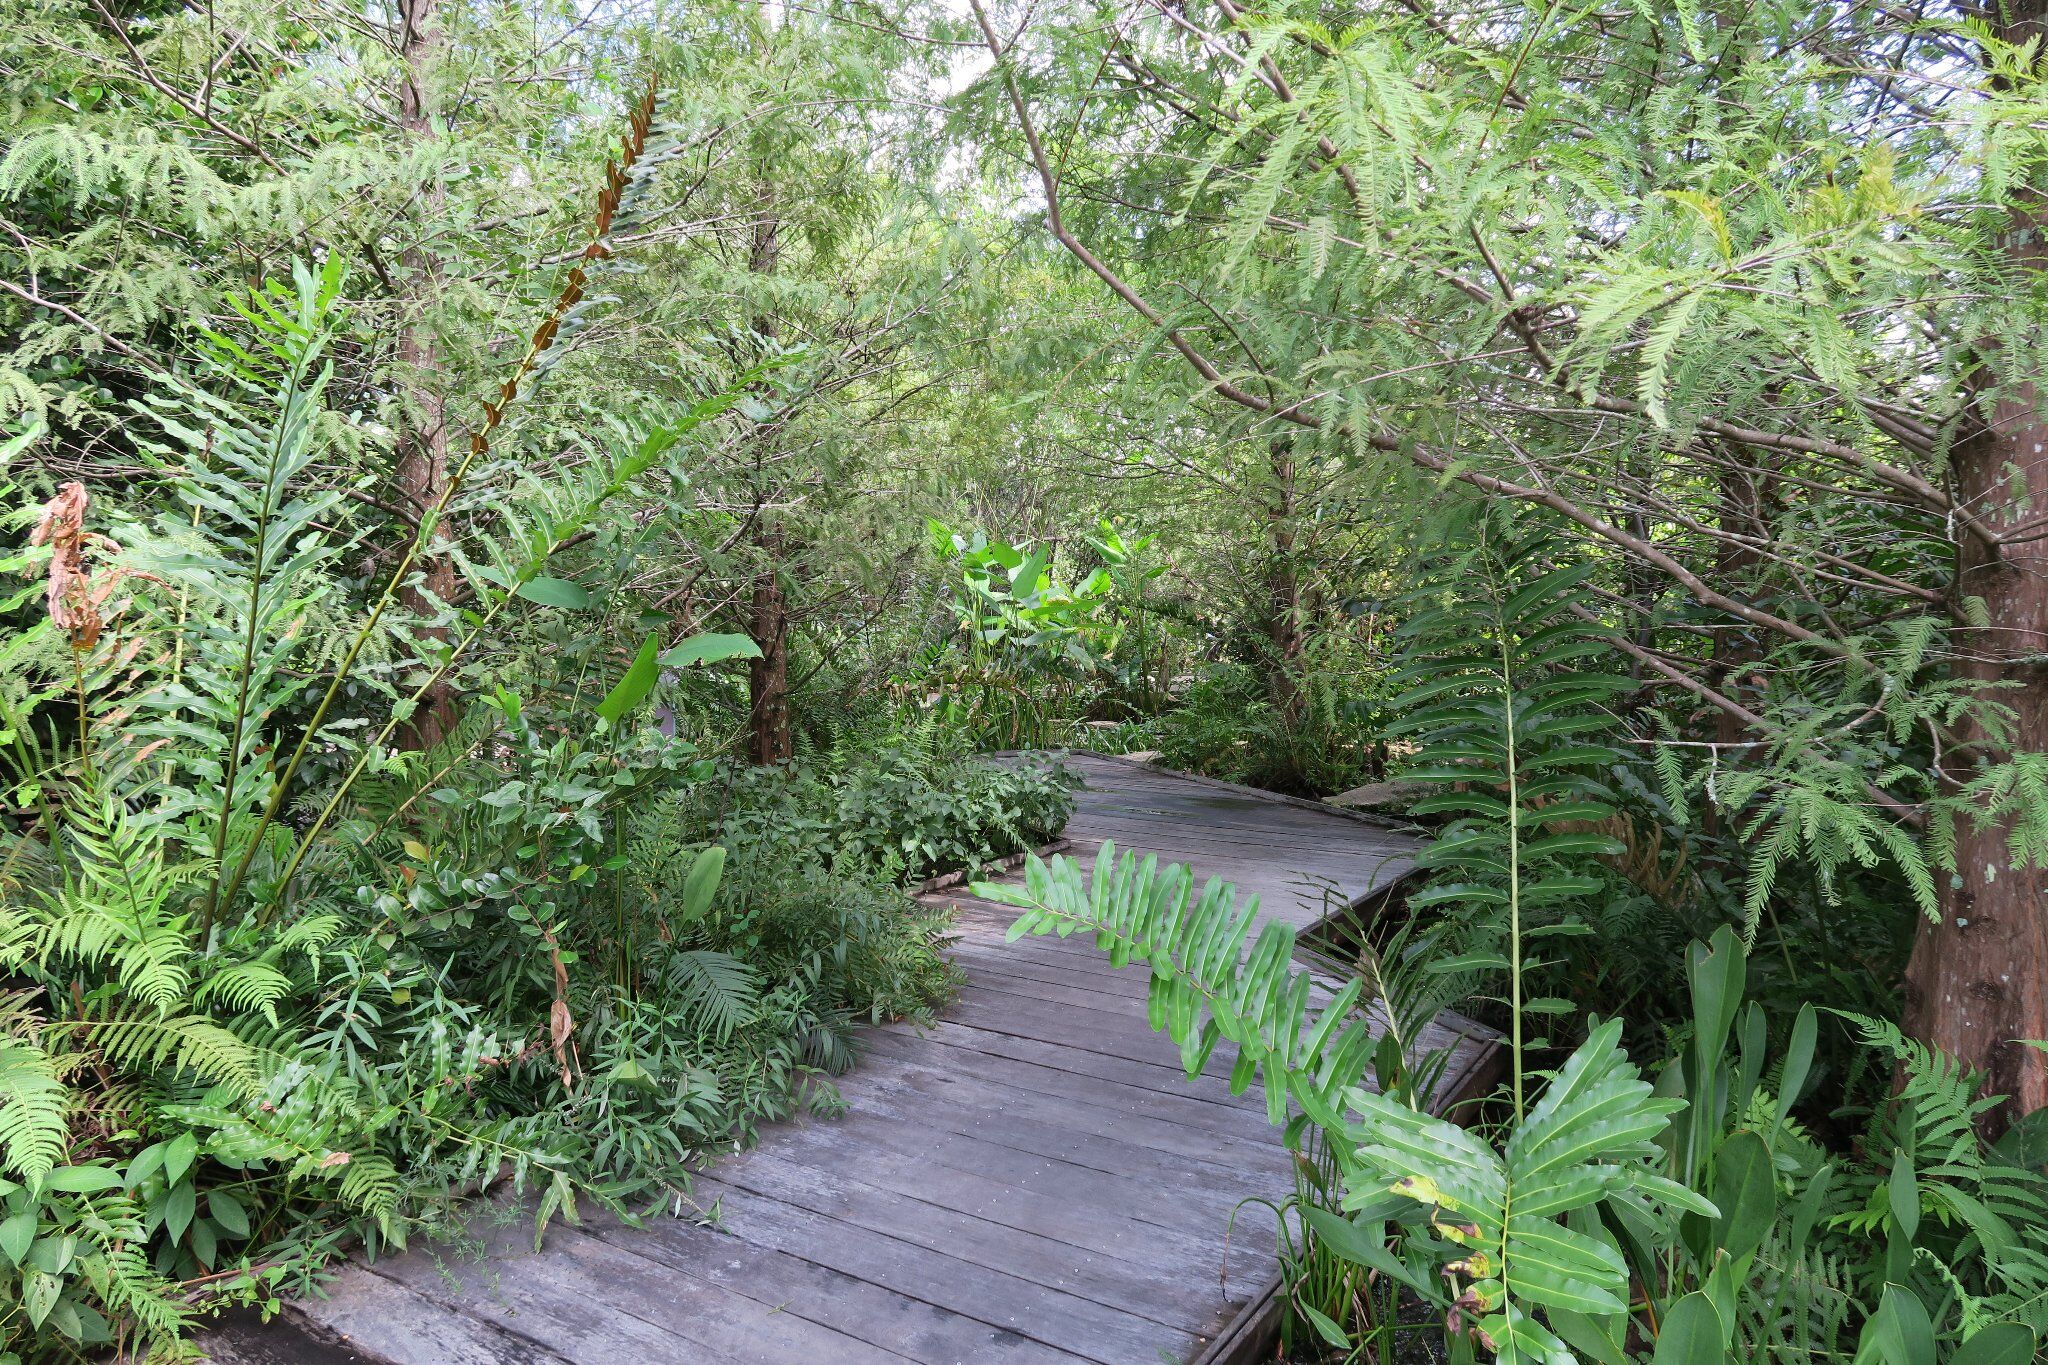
(1030, 1180)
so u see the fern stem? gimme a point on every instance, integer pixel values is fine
(232, 764)
(544, 339)
(1507, 697)
(84, 713)
(369, 751)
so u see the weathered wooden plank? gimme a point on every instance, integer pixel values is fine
(1214, 1181)
(1160, 1294)
(589, 1301)
(849, 1303)
(331, 1330)
(936, 1088)
(1036, 1156)
(1046, 1196)
(1154, 1076)
(1229, 1115)
(1081, 1327)
(1186, 823)
(1129, 770)
(388, 1321)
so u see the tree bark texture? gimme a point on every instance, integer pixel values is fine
(769, 737)
(1977, 985)
(421, 475)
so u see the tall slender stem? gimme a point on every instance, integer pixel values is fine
(544, 337)
(232, 760)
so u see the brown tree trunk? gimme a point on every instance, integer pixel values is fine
(1977, 986)
(1744, 511)
(1978, 981)
(769, 737)
(768, 676)
(421, 475)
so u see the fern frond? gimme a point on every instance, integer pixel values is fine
(716, 991)
(34, 1101)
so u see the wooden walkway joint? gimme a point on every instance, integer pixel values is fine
(1031, 1180)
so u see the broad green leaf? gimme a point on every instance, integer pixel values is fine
(1746, 1191)
(227, 1211)
(1798, 1061)
(701, 885)
(1692, 1334)
(1899, 1332)
(1903, 1195)
(708, 648)
(1592, 1338)
(1355, 1244)
(179, 1206)
(81, 1179)
(39, 1291)
(554, 592)
(2002, 1343)
(634, 687)
(1325, 1328)
(16, 1234)
(179, 1154)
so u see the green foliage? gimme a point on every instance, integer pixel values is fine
(1226, 725)
(1029, 651)
(1498, 1220)
(379, 836)
(1537, 1240)
(911, 816)
(271, 998)
(1496, 688)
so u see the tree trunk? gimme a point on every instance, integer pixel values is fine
(769, 737)
(421, 475)
(1977, 986)
(1978, 981)
(768, 676)
(1745, 510)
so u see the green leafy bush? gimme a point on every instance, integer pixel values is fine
(274, 985)
(910, 815)
(1226, 726)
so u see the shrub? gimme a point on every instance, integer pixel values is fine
(911, 816)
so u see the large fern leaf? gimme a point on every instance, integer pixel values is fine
(33, 1101)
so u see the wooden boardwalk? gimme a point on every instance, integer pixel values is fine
(1032, 1179)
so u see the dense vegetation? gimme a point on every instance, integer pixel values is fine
(537, 525)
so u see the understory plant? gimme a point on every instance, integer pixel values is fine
(903, 813)
(276, 985)
(1226, 725)
(1027, 654)
(1610, 1215)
